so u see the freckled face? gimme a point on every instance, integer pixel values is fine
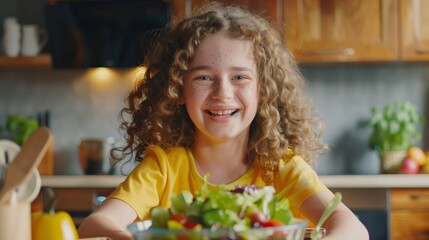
(220, 88)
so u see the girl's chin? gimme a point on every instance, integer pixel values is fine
(225, 134)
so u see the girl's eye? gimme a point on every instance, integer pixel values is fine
(204, 78)
(240, 77)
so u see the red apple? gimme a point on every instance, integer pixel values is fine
(410, 166)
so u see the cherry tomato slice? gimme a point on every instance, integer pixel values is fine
(190, 225)
(179, 217)
(272, 223)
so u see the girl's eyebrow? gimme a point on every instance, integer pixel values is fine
(206, 67)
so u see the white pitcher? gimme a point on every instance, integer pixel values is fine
(11, 37)
(33, 40)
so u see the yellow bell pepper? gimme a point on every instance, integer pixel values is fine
(58, 226)
(51, 225)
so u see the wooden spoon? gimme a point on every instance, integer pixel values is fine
(20, 169)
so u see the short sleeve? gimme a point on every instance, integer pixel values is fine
(297, 181)
(140, 188)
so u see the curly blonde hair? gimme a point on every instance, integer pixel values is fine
(283, 120)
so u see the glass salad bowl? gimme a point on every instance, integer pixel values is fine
(296, 231)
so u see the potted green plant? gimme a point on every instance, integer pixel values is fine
(395, 130)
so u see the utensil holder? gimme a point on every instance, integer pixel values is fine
(15, 221)
(91, 155)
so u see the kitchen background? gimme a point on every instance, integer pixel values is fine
(82, 107)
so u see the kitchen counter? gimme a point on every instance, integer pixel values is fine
(376, 181)
(331, 181)
(368, 196)
(82, 181)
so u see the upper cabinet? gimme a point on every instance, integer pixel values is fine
(327, 31)
(322, 31)
(342, 31)
(414, 32)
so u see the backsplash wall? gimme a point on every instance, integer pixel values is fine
(342, 95)
(80, 107)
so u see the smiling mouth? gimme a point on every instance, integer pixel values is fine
(222, 113)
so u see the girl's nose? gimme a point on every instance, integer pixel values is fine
(223, 89)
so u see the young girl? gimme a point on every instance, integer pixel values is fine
(221, 96)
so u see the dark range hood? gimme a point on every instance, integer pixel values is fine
(102, 33)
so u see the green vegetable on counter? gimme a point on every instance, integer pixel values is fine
(18, 128)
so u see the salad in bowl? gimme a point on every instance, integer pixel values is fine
(246, 212)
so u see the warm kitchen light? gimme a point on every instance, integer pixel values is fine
(101, 74)
(104, 79)
(101, 78)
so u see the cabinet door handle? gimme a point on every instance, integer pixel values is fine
(345, 51)
(419, 196)
(422, 51)
(420, 235)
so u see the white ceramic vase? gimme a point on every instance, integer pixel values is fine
(33, 40)
(11, 37)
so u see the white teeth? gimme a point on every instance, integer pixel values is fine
(222, 112)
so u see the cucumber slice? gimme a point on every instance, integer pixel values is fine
(159, 217)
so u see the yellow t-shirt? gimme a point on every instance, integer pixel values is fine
(163, 173)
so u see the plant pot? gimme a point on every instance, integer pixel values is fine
(391, 161)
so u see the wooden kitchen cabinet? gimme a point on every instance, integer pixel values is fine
(414, 32)
(409, 216)
(342, 31)
(328, 31)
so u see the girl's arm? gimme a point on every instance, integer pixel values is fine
(342, 224)
(109, 220)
